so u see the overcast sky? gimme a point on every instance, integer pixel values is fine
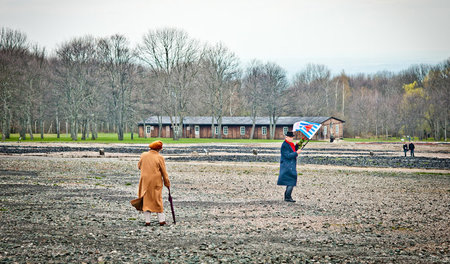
(352, 35)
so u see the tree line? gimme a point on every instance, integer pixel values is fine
(90, 85)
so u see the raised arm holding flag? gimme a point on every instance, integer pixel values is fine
(308, 129)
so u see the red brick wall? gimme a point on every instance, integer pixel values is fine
(234, 131)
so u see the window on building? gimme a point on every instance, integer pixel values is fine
(216, 130)
(225, 130)
(175, 129)
(325, 131)
(285, 130)
(264, 130)
(337, 130)
(242, 130)
(197, 130)
(148, 129)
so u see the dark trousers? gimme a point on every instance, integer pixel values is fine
(288, 192)
(405, 152)
(412, 152)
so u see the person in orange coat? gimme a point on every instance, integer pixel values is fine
(153, 173)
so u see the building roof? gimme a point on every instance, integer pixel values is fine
(240, 120)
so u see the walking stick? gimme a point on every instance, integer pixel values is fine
(171, 207)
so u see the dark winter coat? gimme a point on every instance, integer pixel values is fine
(288, 165)
(405, 147)
(411, 146)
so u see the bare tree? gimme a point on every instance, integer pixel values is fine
(34, 96)
(253, 83)
(387, 104)
(116, 60)
(274, 88)
(361, 112)
(134, 113)
(173, 58)
(313, 89)
(14, 47)
(75, 79)
(221, 69)
(437, 89)
(54, 96)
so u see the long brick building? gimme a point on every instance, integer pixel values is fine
(239, 127)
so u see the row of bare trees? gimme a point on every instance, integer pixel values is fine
(90, 85)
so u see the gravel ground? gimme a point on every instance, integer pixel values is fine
(56, 209)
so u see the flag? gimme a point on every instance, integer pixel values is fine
(308, 129)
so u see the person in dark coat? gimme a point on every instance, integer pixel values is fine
(405, 148)
(288, 166)
(411, 148)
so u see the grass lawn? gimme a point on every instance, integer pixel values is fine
(382, 139)
(112, 138)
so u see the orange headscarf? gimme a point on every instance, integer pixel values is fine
(156, 145)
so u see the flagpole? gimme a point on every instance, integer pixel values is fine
(305, 144)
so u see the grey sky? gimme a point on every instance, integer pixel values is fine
(351, 35)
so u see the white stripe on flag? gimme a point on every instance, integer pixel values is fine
(301, 126)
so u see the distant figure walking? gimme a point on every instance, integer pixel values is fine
(405, 148)
(153, 173)
(411, 148)
(288, 166)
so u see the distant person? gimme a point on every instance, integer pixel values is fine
(411, 148)
(153, 174)
(288, 166)
(405, 148)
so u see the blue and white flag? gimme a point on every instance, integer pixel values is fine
(308, 129)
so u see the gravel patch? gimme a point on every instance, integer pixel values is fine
(76, 210)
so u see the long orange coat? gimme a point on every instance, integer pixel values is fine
(153, 172)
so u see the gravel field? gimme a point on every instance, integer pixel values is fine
(74, 208)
